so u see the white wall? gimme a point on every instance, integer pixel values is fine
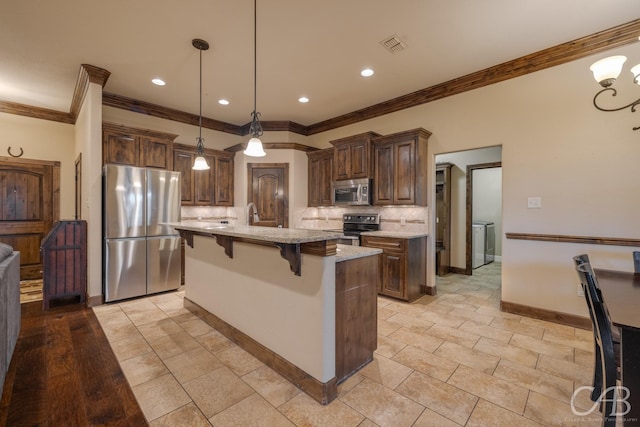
(267, 301)
(88, 141)
(43, 140)
(555, 145)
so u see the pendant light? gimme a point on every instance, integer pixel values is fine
(200, 162)
(254, 147)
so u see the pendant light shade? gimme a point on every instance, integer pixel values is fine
(200, 163)
(254, 147)
(607, 70)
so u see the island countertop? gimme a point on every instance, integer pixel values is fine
(347, 252)
(266, 234)
(396, 234)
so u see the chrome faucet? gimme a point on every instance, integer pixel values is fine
(256, 218)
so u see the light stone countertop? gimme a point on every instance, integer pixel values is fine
(347, 252)
(266, 234)
(396, 234)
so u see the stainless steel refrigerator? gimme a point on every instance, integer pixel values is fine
(141, 255)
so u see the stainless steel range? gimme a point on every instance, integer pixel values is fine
(353, 224)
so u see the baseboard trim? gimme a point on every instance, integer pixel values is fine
(457, 270)
(95, 300)
(548, 315)
(322, 392)
(428, 290)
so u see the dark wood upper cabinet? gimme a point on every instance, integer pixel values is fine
(136, 147)
(204, 183)
(156, 153)
(213, 187)
(320, 177)
(352, 156)
(400, 168)
(224, 180)
(121, 148)
(182, 162)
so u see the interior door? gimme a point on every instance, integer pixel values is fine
(29, 205)
(268, 189)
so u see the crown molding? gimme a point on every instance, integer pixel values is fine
(273, 146)
(87, 74)
(35, 112)
(155, 110)
(611, 38)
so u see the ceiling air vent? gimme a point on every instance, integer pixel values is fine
(393, 44)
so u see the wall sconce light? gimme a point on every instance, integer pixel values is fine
(606, 71)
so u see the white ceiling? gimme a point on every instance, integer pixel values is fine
(311, 48)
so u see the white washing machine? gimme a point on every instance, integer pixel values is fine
(484, 243)
(478, 245)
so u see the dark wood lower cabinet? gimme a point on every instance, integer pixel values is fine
(356, 314)
(393, 282)
(403, 267)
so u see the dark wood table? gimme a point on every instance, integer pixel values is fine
(621, 296)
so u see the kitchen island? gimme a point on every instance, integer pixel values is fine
(274, 292)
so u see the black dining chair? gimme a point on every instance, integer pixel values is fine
(582, 259)
(636, 261)
(606, 363)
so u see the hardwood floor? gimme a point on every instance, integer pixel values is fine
(64, 372)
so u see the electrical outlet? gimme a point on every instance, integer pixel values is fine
(534, 202)
(580, 291)
(403, 220)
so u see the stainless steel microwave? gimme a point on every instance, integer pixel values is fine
(352, 192)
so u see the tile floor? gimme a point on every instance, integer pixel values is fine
(446, 360)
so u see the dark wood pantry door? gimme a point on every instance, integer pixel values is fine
(29, 205)
(269, 190)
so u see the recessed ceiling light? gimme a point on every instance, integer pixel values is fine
(367, 72)
(158, 82)
(223, 102)
(303, 99)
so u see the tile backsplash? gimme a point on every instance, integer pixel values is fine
(209, 213)
(391, 218)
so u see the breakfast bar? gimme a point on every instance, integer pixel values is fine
(274, 292)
